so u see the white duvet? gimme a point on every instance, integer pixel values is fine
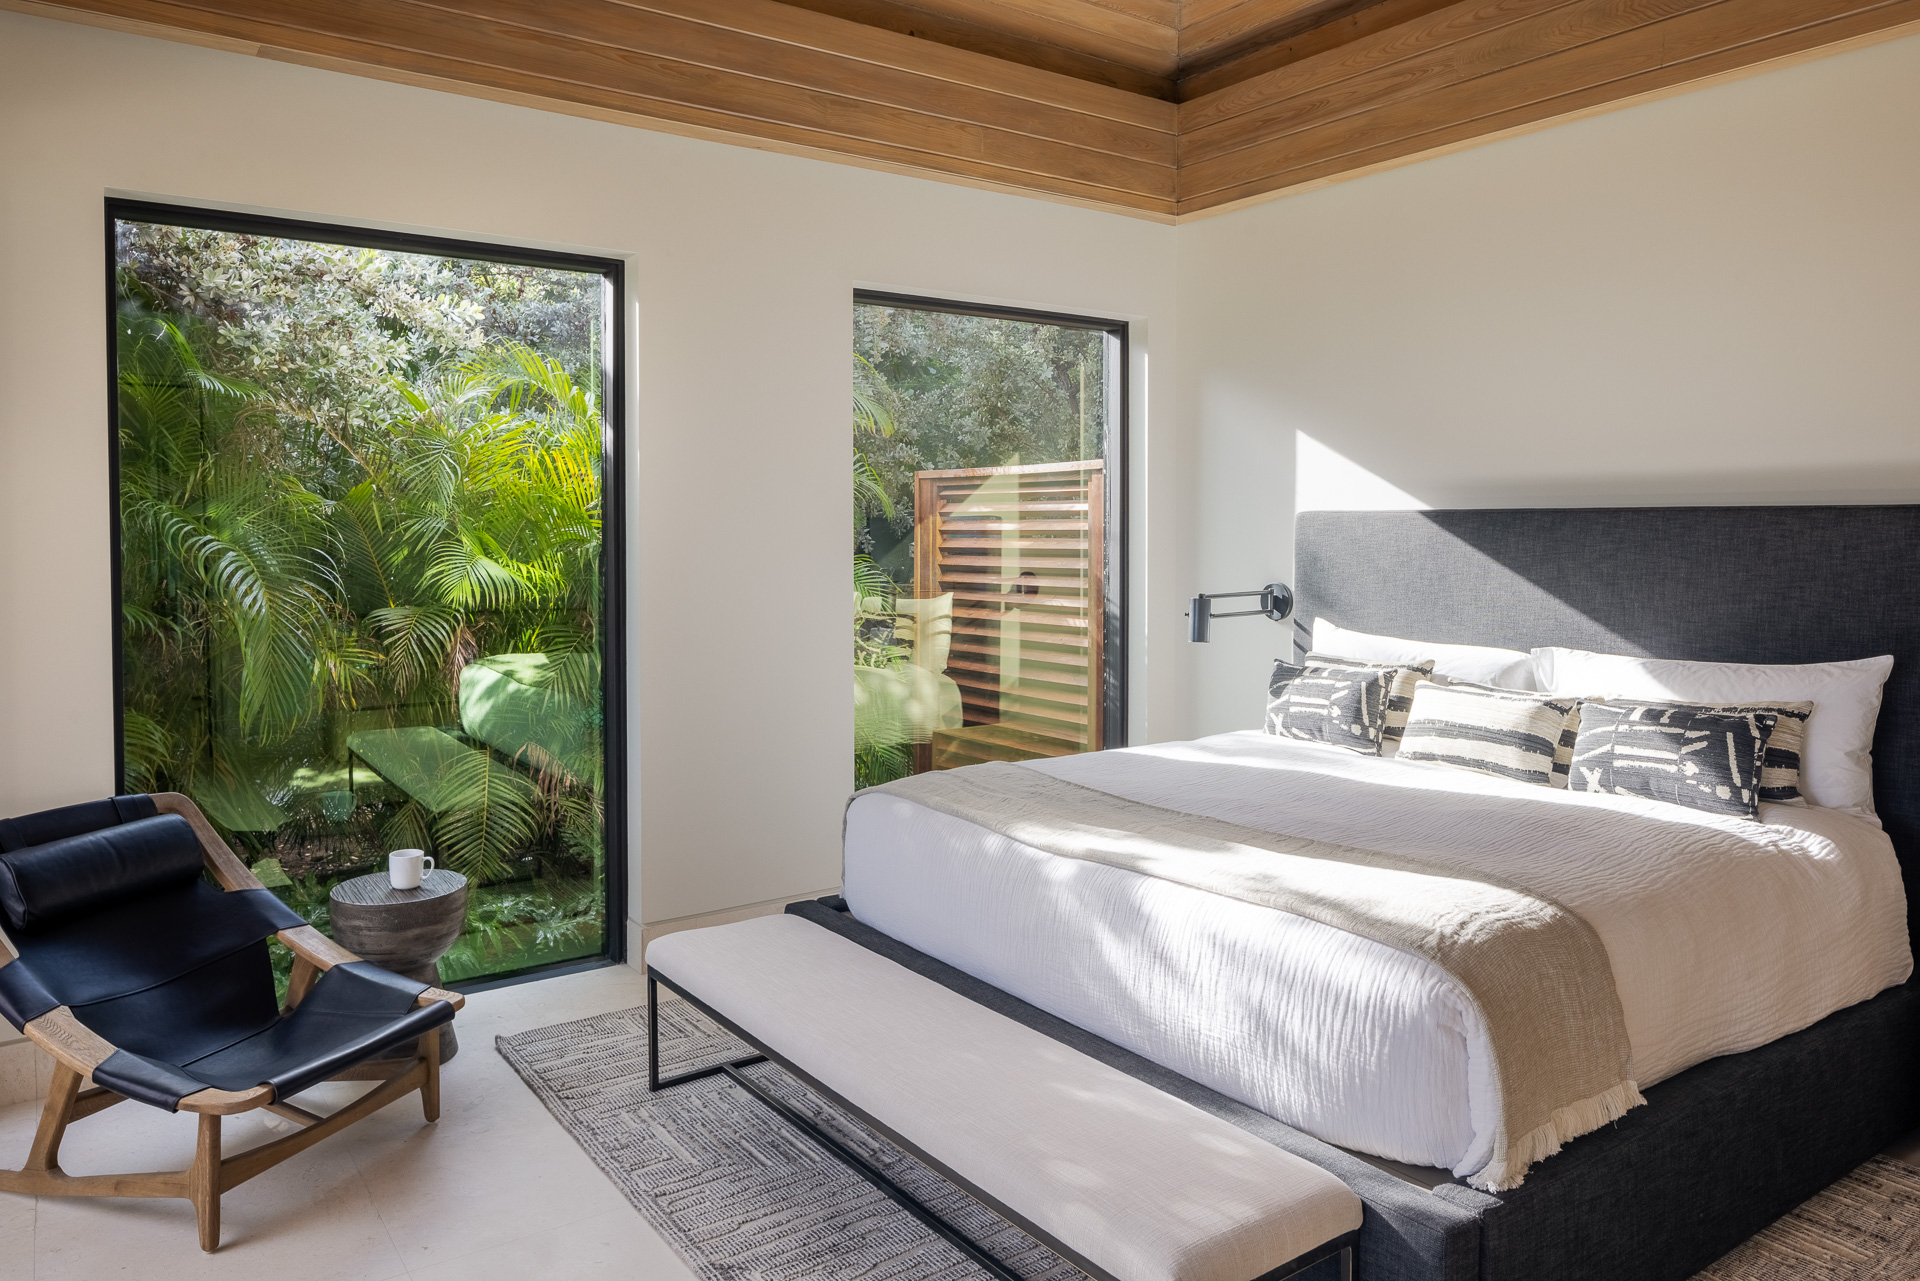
(1354, 1042)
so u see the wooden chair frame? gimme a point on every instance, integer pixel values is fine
(77, 1050)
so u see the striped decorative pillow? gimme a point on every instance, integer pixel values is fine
(1780, 770)
(1400, 678)
(1325, 703)
(1703, 757)
(1505, 732)
(1569, 729)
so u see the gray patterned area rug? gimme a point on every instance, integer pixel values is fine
(743, 1196)
(739, 1192)
(1864, 1228)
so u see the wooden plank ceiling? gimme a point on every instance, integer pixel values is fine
(1157, 108)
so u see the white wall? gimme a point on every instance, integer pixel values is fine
(742, 266)
(1710, 299)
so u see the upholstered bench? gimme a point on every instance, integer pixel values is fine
(1124, 1181)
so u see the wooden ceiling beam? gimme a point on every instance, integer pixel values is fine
(1283, 47)
(649, 32)
(1124, 47)
(795, 24)
(1563, 60)
(1422, 59)
(785, 93)
(1264, 111)
(1208, 39)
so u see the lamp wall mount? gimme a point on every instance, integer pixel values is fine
(1276, 602)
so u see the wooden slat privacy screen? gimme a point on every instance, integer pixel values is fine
(1022, 550)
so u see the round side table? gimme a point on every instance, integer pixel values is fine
(406, 931)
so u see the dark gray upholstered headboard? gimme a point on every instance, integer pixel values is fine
(1724, 584)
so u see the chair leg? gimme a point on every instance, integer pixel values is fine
(430, 1088)
(203, 1182)
(65, 1088)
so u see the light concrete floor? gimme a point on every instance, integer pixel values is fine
(496, 1189)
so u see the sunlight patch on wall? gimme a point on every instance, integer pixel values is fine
(1326, 480)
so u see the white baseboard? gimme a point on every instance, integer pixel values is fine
(726, 916)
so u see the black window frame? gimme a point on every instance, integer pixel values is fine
(613, 558)
(1117, 456)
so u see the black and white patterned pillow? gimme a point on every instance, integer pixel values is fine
(1505, 732)
(1328, 703)
(1284, 674)
(1703, 757)
(1400, 680)
(1780, 770)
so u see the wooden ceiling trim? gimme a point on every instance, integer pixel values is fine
(1166, 13)
(1194, 11)
(1392, 82)
(792, 24)
(1287, 49)
(1368, 56)
(707, 128)
(1117, 32)
(633, 85)
(651, 33)
(492, 47)
(1208, 40)
(1512, 44)
(1030, 42)
(1728, 38)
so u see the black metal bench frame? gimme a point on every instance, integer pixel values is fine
(1342, 1247)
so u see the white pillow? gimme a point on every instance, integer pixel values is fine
(1480, 664)
(1836, 762)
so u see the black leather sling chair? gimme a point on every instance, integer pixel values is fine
(123, 962)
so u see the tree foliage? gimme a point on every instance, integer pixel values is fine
(343, 478)
(971, 391)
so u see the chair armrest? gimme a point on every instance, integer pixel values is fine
(315, 948)
(69, 1040)
(322, 953)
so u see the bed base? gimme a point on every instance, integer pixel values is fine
(1718, 1152)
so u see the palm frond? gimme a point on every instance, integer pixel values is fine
(490, 821)
(147, 748)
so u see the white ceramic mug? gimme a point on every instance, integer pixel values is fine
(407, 868)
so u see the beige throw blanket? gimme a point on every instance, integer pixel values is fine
(1537, 972)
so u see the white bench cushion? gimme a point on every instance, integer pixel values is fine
(1146, 1186)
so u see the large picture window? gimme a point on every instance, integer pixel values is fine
(365, 536)
(989, 535)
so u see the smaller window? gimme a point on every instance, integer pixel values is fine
(989, 536)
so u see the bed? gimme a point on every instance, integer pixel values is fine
(1764, 989)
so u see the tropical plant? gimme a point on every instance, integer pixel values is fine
(882, 731)
(325, 543)
(873, 420)
(547, 922)
(969, 391)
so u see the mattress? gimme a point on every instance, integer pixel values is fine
(1349, 1040)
